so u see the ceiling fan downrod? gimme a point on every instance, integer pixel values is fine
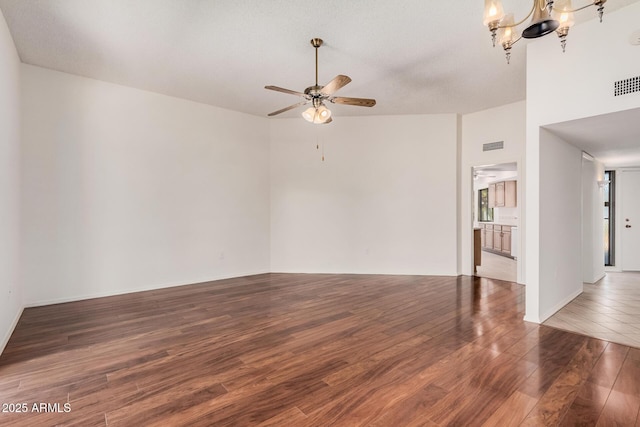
(316, 43)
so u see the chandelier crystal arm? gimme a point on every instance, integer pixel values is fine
(586, 6)
(580, 8)
(547, 16)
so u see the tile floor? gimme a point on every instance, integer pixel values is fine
(497, 267)
(608, 310)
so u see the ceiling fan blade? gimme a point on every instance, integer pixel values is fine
(281, 89)
(290, 107)
(359, 102)
(335, 84)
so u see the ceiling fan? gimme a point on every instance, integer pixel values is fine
(317, 95)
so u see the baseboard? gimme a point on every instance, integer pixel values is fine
(558, 306)
(597, 279)
(369, 273)
(41, 303)
(7, 337)
(532, 319)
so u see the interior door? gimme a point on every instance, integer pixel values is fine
(630, 225)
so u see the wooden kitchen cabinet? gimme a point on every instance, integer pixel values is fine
(503, 194)
(492, 196)
(506, 240)
(497, 238)
(488, 238)
(499, 197)
(510, 195)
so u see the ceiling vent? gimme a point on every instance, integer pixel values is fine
(490, 146)
(623, 87)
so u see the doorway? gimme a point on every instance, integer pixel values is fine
(630, 224)
(495, 216)
(609, 188)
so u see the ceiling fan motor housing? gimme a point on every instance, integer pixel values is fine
(314, 91)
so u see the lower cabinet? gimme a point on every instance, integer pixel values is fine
(506, 240)
(488, 239)
(496, 238)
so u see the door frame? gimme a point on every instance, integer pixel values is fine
(467, 211)
(619, 235)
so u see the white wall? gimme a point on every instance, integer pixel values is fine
(505, 123)
(562, 87)
(560, 223)
(10, 280)
(383, 201)
(127, 190)
(592, 221)
(580, 82)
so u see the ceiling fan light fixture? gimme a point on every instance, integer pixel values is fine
(317, 115)
(323, 113)
(309, 114)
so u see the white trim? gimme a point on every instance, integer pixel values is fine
(468, 228)
(133, 290)
(597, 278)
(532, 319)
(561, 304)
(7, 337)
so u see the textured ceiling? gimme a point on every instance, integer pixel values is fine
(412, 56)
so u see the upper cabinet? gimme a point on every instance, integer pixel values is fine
(503, 194)
(510, 199)
(499, 194)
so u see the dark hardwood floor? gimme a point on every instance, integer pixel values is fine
(321, 350)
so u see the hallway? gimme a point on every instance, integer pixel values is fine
(608, 310)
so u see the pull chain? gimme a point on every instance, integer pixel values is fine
(318, 145)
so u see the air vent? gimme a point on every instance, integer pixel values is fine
(490, 146)
(623, 87)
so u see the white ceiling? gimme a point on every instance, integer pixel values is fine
(412, 56)
(614, 138)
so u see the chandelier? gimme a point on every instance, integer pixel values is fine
(548, 16)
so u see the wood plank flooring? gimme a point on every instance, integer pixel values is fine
(312, 350)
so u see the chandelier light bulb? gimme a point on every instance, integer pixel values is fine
(493, 11)
(563, 13)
